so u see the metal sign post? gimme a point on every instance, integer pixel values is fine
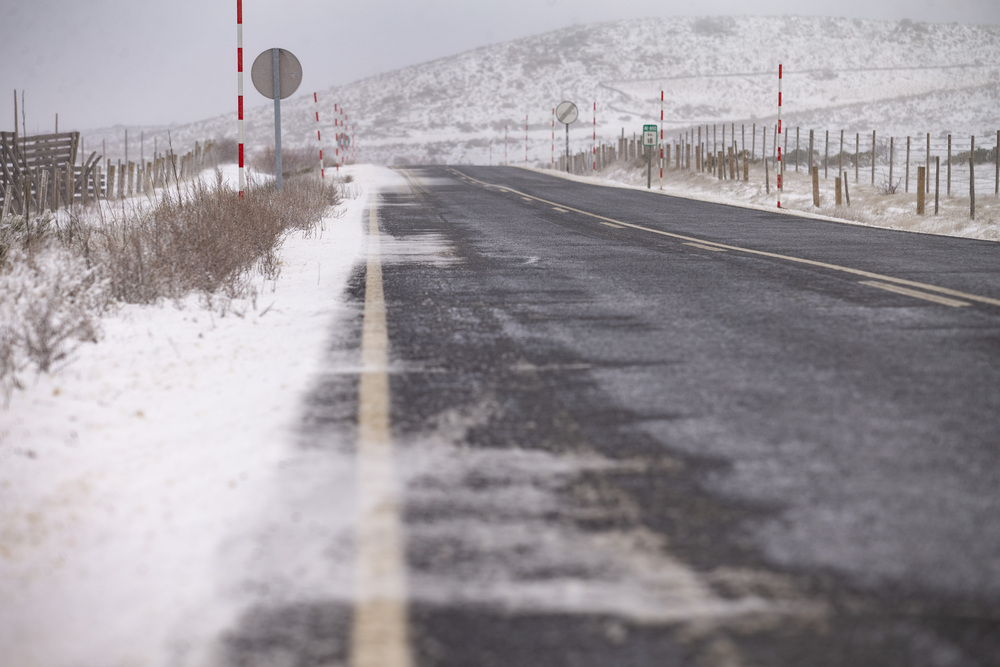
(648, 141)
(567, 113)
(276, 74)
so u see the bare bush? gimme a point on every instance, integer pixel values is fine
(294, 161)
(887, 187)
(24, 232)
(50, 302)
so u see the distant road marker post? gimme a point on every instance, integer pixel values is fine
(780, 170)
(661, 138)
(648, 142)
(239, 88)
(319, 138)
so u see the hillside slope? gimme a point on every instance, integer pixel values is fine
(857, 75)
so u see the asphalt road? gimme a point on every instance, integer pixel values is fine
(640, 430)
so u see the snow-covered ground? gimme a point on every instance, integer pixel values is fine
(136, 479)
(868, 204)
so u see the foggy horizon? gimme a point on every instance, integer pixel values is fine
(120, 64)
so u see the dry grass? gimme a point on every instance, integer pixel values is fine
(58, 275)
(206, 241)
(294, 161)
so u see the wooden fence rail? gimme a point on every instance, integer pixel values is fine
(41, 173)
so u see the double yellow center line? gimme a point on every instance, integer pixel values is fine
(916, 289)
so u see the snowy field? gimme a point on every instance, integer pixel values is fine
(137, 479)
(869, 205)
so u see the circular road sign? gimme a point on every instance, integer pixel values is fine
(567, 112)
(289, 72)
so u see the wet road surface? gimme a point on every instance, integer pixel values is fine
(629, 429)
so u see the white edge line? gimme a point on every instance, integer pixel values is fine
(915, 294)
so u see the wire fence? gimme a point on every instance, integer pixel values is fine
(959, 165)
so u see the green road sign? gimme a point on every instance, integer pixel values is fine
(649, 133)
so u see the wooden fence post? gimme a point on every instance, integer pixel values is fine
(928, 161)
(906, 188)
(797, 149)
(812, 135)
(972, 180)
(767, 173)
(873, 157)
(921, 183)
(892, 160)
(847, 191)
(949, 166)
(937, 183)
(815, 175)
(839, 199)
(996, 158)
(715, 145)
(826, 156)
(840, 158)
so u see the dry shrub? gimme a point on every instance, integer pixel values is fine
(51, 300)
(294, 161)
(206, 241)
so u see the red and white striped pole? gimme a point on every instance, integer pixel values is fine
(594, 144)
(239, 86)
(336, 137)
(661, 139)
(319, 138)
(780, 169)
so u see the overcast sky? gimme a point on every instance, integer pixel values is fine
(138, 62)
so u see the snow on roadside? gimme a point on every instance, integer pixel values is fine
(124, 472)
(868, 206)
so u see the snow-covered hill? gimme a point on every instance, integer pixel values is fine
(857, 75)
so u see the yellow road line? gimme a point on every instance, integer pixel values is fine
(915, 294)
(379, 633)
(763, 253)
